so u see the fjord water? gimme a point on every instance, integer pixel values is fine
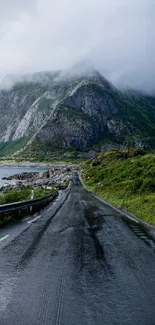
(9, 171)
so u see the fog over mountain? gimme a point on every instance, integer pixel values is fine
(114, 37)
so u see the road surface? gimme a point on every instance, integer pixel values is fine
(78, 263)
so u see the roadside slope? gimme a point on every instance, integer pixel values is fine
(126, 179)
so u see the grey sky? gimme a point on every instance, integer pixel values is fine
(117, 36)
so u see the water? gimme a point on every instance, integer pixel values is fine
(9, 171)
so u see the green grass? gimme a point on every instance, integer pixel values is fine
(126, 179)
(39, 192)
(15, 195)
(45, 152)
(10, 147)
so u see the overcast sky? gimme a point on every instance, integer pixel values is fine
(116, 36)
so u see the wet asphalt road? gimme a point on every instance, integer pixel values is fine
(82, 263)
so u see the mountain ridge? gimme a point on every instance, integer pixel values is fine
(78, 112)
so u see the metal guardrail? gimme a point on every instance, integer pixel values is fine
(25, 207)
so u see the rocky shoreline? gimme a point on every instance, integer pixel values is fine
(56, 177)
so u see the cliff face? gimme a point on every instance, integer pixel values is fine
(76, 113)
(17, 107)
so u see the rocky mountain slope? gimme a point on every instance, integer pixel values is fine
(51, 110)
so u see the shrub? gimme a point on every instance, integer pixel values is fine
(24, 194)
(148, 185)
(136, 185)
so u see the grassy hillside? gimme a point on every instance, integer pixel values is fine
(44, 152)
(126, 179)
(76, 113)
(10, 147)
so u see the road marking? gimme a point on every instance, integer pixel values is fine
(129, 217)
(1, 239)
(35, 219)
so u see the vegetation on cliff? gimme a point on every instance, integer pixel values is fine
(72, 113)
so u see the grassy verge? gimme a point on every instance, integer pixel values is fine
(126, 179)
(15, 196)
(24, 194)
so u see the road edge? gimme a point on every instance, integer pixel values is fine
(123, 213)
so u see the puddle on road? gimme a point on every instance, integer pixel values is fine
(94, 218)
(98, 247)
(94, 223)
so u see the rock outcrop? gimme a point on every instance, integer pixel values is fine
(73, 113)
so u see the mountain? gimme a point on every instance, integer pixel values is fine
(48, 111)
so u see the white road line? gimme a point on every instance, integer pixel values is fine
(129, 217)
(1, 239)
(35, 219)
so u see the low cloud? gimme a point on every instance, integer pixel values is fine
(115, 37)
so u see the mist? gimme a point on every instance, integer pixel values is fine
(115, 37)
